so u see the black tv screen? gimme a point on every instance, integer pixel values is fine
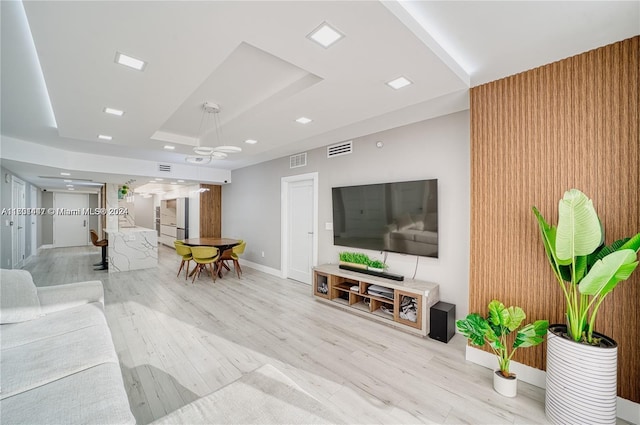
(395, 217)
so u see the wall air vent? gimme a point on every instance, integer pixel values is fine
(298, 160)
(343, 148)
(164, 168)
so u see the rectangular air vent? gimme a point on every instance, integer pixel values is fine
(343, 148)
(165, 168)
(298, 160)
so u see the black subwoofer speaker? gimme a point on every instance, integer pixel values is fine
(442, 321)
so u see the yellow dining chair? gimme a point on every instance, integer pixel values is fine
(185, 252)
(232, 255)
(204, 255)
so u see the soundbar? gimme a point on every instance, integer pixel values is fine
(373, 272)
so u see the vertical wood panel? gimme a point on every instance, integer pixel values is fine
(210, 211)
(570, 124)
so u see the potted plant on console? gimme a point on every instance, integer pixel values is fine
(494, 330)
(581, 363)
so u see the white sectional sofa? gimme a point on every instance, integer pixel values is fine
(58, 364)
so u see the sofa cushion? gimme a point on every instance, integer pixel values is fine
(93, 396)
(37, 363)
(426, 237)
(54, 324)
(18, 297)
(405, 222)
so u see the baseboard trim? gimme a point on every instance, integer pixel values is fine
(261, 268)
(46, 246)
(625, 409)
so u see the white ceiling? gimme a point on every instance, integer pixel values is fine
(255, 60)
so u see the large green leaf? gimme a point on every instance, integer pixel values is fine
(506, 319)
(633, 243)
(532, 334)
(474, 327)
(579, 231)
(608, 272)
(548, 233)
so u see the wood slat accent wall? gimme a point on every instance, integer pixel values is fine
(569, 124)
(210, 211)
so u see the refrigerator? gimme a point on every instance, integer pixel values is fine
(182, 218)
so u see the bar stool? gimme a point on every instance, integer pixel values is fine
(102, 243)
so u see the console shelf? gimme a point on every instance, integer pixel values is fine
(403, 304)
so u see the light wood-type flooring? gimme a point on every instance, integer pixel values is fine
(179, 341)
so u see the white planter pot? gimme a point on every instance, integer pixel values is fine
(507, 387)
(581, 380)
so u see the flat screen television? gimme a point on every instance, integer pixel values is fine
(395, 217)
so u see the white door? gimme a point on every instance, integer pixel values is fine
(299, 225)
(70, 226)
(34, 222)
(18, 239)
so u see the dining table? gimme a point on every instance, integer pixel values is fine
(221, 243)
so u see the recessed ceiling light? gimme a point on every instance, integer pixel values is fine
(169, 147)
(104, 137)
(113, 111)
(129, 61)
(69, 185)
(67, 181)
(65, 174)
(304, 120)
(70, 188)
(399, 83)
(325, 35)
(180, 181)
(159, 179)
(251, 141)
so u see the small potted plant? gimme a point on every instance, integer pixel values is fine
(581, 363)
(494, 330)
(354, 259)
(376, 266)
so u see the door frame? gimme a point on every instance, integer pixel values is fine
(15, 221)
(284, 220)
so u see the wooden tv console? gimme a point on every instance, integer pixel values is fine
(334, 286)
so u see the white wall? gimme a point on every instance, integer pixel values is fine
(435, 148)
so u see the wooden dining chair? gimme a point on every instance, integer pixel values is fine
(232, 255)
(185, 252)
(204, 255)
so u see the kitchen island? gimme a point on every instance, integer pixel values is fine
(132, 248)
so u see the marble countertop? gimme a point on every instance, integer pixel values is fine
(129, 230)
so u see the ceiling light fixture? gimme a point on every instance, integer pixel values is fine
(325, 35)
(67, 181)
(112, 111)
(399, 83)
(204, 154)
(129, 61)
(104, 137)
(251, 141)
(304, 120)
(180, 181)
(169, 147)
(65, 174)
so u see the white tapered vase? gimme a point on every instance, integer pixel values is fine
(507, 387)
(581, 379)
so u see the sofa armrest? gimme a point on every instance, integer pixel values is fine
(62, 297)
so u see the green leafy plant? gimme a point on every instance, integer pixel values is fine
(586, 269)
(376, 264)
(359, 258)
(494, 330)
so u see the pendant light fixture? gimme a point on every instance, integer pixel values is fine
(204, 154)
